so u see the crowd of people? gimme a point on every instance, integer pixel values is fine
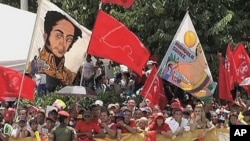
(99, 120)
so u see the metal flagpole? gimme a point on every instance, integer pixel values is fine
(27, 62)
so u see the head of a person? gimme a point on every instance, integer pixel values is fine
(137, 114)
(156, 109)
(214, 117)
(127, 115)
(177, 114)
(63, 117)
(87, 116)
(189, 107)
(159, 119)
(21, 121)
(233, 119)
(131, 104)
(198, 110)
(246, 115)
(33, 124)
(105, 115)
(41, 116)
(142, 123)
(95, 110)
(53, 114)
(59, 33)
(50, 123)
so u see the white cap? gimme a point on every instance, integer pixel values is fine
(99, 102)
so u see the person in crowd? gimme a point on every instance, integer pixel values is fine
(233, 119)
(214, 119)
(95, 111)
(177, 123)
(59, 34)
(141, 124)
(53, 114)
(107, 124)
(156, 109)
(87, 129)
(131, 105)
(22, 130)
(33, 127)
(63, 132)
(158, 126)
(40, 119)
(126, 123)
(88, 73)
(115, 84)
(5, 128)
(199, 120)
(137, 114)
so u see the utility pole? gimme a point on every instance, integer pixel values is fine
(24, 5)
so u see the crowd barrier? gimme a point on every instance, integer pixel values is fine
(213, 135)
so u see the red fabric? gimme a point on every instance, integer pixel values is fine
(90, 127)
(224, 88)
(153, 90)
(11, 80)
(242, 64)
(131, 124)
(230, 70)
(125, 3)
(113, 40)
(158, 129)
(151, 136)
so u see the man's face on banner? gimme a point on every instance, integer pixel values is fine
(61, 38)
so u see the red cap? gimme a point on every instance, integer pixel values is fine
(63, 113)
(157, 115)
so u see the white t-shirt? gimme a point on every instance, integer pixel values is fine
(88, 69)
(175, 126)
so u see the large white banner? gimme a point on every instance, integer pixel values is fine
(58, 45)
(184, 63)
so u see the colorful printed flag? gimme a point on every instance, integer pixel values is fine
(184, 63)
(113, 40)
(230, 70)
(12, 84)
(58, 45)
(125, 3)
(224, 85)
(153, 90)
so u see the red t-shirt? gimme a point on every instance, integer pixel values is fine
(132, 123)
(92, 127)
(154, 127)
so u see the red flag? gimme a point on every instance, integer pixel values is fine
(242, 64)
(230, 70)
(224, 91)
(113, 40)
(153, 90)
(10, 84)
(125, 3)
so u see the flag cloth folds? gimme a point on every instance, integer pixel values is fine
(125, 3)
(184, 63)
(242, 64)
(230, 70)
(58, 45)
(224, 83)
(153, 90)
(113, 40)
(11, 80)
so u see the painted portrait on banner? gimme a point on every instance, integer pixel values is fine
(58, 46)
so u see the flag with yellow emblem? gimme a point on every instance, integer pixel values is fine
(184, 63)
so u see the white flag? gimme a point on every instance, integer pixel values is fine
(58, 44)
(184, 63)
